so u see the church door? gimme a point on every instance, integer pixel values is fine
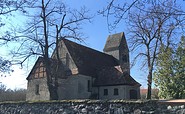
(133, 94)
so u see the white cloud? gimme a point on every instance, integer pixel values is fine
(16, 80)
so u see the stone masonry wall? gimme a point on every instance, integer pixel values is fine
(90, 107)
(43, 90)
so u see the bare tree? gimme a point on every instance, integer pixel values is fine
(150, 29)
(116, 10)
(5, 66)
(51, 20)
(151, 24)
(7, 7)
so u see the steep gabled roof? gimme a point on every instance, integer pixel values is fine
(109, 76)
(113, 41)
(102, 66)
(88, 60)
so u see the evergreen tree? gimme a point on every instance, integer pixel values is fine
(170, 74)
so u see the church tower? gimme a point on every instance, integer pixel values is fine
(116, 46)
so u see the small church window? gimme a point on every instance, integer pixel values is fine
(116, 92)
(133, 94)
(105, 92)
(37, 89)
(89, 85)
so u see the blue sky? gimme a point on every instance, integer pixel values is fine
(96, 32)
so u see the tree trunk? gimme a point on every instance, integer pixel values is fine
(49, 71)
(149, 91)
(51, 80)
(149, 73)
(53, 90)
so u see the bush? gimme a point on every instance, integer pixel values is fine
(12, 95)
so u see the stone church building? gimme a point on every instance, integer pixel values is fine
(89, 74)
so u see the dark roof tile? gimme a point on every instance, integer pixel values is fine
(113, 41)
(88, 60)
(108, 76)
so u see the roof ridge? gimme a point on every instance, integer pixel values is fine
(64, 39)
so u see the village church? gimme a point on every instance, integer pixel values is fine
(90, 74)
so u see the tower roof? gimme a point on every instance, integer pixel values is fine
(113, 41)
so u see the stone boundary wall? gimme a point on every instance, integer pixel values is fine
(91, 107)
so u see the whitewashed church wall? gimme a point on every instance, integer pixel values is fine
(41, 94)
(74, 87)
(122, 94)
